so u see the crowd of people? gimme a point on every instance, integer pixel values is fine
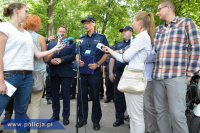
(168, 54)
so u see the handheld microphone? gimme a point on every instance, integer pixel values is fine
(79, 41)
(101, 46)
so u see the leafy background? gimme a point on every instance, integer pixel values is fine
(111, 15)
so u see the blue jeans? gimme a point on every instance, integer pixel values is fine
(23, 83)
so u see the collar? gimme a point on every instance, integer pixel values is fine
(174, 21)
(127, 41)
(95, 33)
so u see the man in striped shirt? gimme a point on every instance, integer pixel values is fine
(177, 44)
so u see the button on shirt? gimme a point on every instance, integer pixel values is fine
(171, 46)
(89, 43)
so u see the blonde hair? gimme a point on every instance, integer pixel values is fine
(147, 22)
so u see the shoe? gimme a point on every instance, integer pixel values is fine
(96, 126)
(49, 101)
(65, 122)
(107, 100)
(117, 123)
(53, 118)
(80, 124)
(126, 118)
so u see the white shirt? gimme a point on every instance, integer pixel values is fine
(136, 55)
(19, 48)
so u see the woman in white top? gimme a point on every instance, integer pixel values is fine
(17, 52)
(32, 25)
(136, 56)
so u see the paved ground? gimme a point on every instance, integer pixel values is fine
(106, 122)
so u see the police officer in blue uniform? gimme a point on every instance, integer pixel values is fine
(115, 73)
(61, 72)
(89, 50)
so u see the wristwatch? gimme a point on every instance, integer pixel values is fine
(98, 65)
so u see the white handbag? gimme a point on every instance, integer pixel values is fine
(132, 81)
(38, 81)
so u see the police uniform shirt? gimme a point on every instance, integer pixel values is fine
(119, 67)
(88, 46)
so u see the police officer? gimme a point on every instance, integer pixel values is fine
(61, 73)
(89, 50)
(116, 69)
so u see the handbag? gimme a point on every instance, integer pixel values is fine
(132, 81)
(38, 81)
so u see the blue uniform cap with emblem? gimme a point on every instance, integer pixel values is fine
(88, 19)
(126, 29)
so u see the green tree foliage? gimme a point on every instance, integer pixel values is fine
(110, 15)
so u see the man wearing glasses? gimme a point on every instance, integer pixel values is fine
(174, 67)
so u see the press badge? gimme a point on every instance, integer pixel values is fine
(87, 52)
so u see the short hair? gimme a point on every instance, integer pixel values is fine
(168, 3)
(32, 22)
(62, 26)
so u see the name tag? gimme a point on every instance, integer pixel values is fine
(87, 52)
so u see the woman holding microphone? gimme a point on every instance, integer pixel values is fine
(136, 56)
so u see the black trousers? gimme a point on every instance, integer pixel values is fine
(65, 82)
(48, 88)
(119, 100)
(109, 88)
(101, 93)
(92, 82)
(73, 86)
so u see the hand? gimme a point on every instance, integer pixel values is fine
(59, 46)
(54, 61)
(81, 63)
(112, 77)
(58, 60)
(93, 66)
(3, 88)
(188, 80)
(106, 49)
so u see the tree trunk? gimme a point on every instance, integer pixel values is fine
(50, 15)
(105, 21)
(105, 17)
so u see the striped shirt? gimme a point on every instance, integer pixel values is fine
(177, 49)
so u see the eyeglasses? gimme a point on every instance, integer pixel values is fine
(159, 9)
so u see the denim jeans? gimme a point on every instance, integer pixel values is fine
(23, 83)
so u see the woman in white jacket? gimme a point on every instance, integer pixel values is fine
(136, 56)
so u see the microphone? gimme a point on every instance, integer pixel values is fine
(68, 40)
(101, 46)
(79, 42)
